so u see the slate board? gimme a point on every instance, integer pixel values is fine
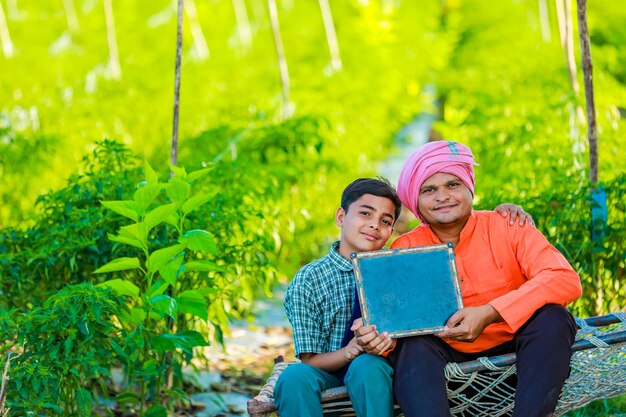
(408, 292)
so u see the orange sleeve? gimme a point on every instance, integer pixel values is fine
(550, 278)
(401, 242)
(388, 351)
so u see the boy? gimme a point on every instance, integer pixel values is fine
(319, 305)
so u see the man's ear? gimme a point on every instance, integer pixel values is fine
(339, 215)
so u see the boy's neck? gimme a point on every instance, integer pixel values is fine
(345, 253)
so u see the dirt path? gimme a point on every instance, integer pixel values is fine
(235, 374)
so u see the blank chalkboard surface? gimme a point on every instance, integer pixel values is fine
(408, 292)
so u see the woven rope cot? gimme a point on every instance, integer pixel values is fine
(485, 387)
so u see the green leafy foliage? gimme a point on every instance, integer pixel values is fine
(25, 159)
(563, 214)
(358, 109)
(159, 301)
(62, 369)
(68, 239)
(272, 173)
(513, 102)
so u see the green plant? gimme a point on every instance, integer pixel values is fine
(8, 330)
(159, 303)
(66, 351)
(25, 158)
(272, 173)
(606, 407)
(67, 241)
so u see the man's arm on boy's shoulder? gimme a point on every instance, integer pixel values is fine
(516, 211)
(332, 361)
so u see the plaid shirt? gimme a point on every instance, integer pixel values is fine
(319, 302)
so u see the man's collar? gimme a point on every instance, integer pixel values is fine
(339, 261)
(470, 225)
(468, 228)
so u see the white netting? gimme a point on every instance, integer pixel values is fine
(596, 372)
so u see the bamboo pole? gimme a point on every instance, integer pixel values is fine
(280, 55)
(566, 32)
(544, 19)
(13, 13)
(114, 59)
(199, 42)
(599, 214)
(4, 412)
(243, 23)
(174, 152)
(331, 35)
(577, 115)
(5, 38)
(179, 48)
(592, 130)
(70, 16)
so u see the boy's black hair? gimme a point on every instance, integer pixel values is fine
(380, 187)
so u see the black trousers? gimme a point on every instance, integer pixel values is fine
(543, 347)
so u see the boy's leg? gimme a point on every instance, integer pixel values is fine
(298, 390)
(544, 350)
(418, 382)
(368, 382)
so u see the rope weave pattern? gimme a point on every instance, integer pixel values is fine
(267, 392)
(595, 373)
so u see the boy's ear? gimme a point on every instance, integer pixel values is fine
(339, 215)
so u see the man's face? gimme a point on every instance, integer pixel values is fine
(367, 225)
(444, 200)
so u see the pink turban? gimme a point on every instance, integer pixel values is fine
(427, 160)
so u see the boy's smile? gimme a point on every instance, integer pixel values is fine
(366, 225)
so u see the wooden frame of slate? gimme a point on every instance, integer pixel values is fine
(408, 292)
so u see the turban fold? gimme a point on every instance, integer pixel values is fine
(427, 160)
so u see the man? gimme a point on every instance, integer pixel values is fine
(513, 282)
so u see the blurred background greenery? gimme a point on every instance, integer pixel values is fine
(494, 75)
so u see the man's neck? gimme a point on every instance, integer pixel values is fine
(449, 233)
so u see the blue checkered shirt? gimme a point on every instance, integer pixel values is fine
(319, 302)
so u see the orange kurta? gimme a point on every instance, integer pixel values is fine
(513, 268)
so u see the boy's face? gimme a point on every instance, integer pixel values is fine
(366, 226)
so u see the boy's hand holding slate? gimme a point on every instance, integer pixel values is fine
(369, 339)
(352, 350)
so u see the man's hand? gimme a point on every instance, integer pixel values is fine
(516, 211)
(352, 350)
(468, 323)
(369, 339)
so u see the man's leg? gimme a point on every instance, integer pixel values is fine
(419, 383)
(544, 350)
(369, 384)
(298, 390)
